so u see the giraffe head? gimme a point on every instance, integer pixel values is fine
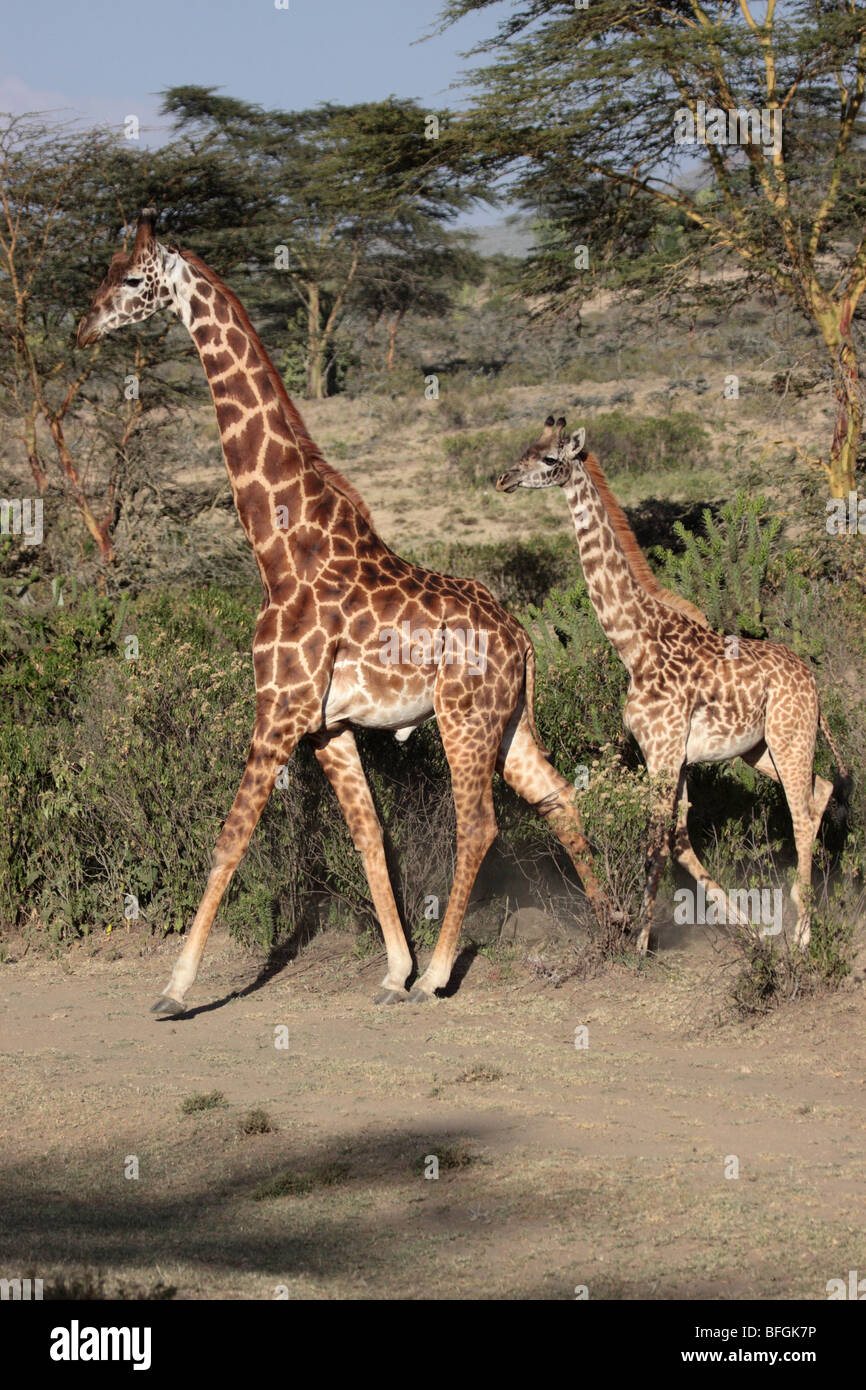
(134, 288)
(542, 464)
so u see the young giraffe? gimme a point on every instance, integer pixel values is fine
(689, 701)
(334, 597)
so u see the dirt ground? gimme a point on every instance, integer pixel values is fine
(395, 461)
(559, 1166)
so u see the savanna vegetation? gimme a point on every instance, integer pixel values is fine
(710, 351)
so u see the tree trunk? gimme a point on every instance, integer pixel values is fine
(316, 347)
(849, 422)
(392, 341)
(40, 476)
(98, 530)
(836, 330)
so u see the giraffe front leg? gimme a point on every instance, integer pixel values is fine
(684, 854)
(473, 841)
(271, 747)
(661, 832)
(339, 759)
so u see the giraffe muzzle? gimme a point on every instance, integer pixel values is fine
(508, 482)
(88, 330)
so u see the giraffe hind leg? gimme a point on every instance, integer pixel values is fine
(822, 790)
(662, 827)
(470, 737)
(792, 751)
(528, 771)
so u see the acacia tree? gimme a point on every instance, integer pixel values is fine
(68, 198)
(47, 174)
(339, 191)
(589, 106)
(420, 280)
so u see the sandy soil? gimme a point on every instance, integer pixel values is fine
(558, 1167)
(393, 451)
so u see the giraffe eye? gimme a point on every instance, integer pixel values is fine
(550, 460)
(133, 281)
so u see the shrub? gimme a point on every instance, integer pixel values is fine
(517, 573)
(616, 809)
(646, 444)
(742, 575)
(581, 680)
(479, 456)
(203, 1100)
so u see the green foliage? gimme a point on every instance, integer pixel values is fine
(604, 85)
(118, 775)
(45, 646)
(581, 680)
(203, 1100)
(647, 443)
(479, 456)
(741, 574)
(358, 196)
(517, 572)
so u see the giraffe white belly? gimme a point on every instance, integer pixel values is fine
(712, 739)
(401, 708)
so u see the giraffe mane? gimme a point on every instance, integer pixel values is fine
(635, 558)
(310, 451)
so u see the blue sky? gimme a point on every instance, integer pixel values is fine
(105, 59)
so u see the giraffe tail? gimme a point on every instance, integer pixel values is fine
(529, 700)
(843, 781)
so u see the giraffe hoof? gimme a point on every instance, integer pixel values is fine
(419, 996)
(390, 996)
(168, 1008)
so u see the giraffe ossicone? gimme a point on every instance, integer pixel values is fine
(331, 587)
(693, 697)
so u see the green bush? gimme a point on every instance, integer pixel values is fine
(479, 456)
(581, 682)
(743, 576)
(517, 573)
(118, 775)
(646, 443)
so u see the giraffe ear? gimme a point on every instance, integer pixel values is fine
(144, 231)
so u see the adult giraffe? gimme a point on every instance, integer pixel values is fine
(692, 697)
(324, 651)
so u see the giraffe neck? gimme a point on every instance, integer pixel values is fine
(623, 606)
(289, 500)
